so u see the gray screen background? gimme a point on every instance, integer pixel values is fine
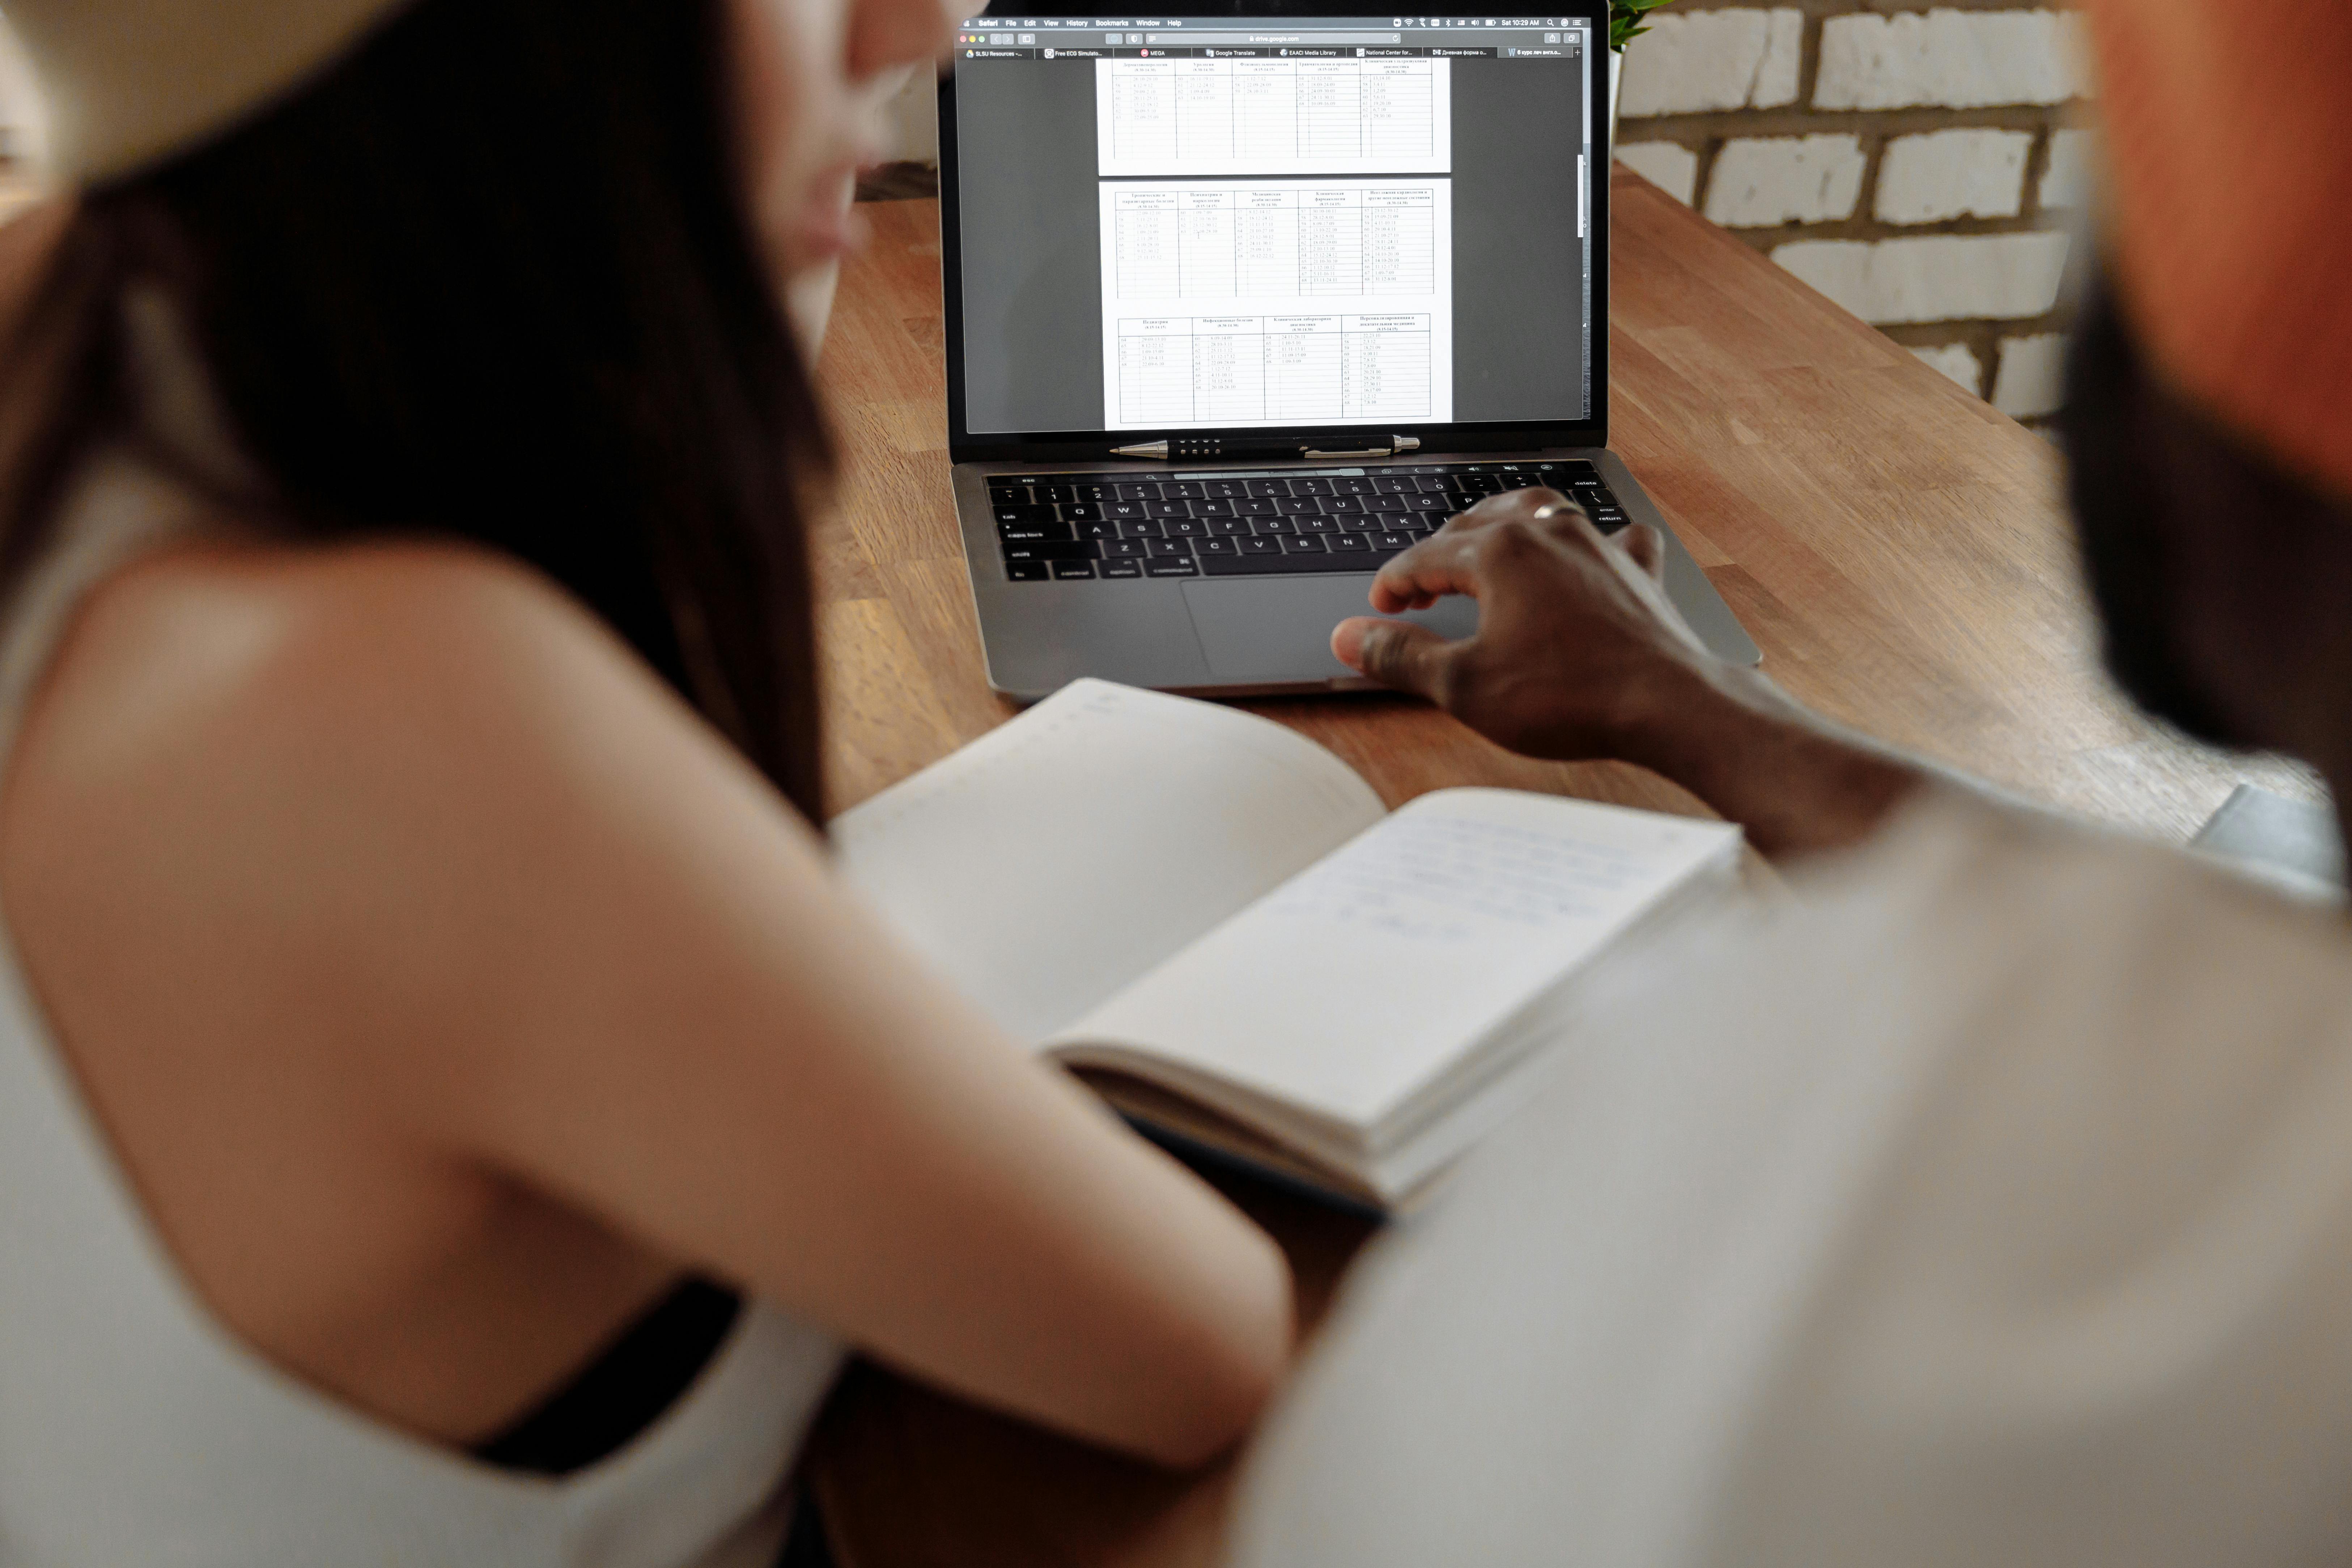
(1032, 256)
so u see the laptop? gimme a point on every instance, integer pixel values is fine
(1240, 307)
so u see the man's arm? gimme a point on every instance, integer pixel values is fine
(1580, 654)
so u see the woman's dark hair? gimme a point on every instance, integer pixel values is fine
(489, 279)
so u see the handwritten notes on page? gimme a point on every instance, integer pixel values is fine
(1352, 984)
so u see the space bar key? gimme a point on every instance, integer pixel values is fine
(1266, 565)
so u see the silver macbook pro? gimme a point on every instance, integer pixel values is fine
(1237, 308)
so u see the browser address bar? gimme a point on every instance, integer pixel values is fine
(1268, 40)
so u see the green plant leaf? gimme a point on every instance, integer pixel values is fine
(1626, 20)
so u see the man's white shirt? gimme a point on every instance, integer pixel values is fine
(1990, 1204)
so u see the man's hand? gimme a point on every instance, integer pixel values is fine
(1579, 654)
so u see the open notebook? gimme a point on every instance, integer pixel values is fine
(1217, 923)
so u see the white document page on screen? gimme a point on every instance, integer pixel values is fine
(1273, 116)
(1277, 303)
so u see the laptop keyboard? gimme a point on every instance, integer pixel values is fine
(1056, 527)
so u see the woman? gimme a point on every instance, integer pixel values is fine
(430, 987)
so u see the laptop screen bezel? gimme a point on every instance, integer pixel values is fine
(1059, 446)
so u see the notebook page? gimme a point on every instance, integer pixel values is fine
(1369, 973)
(1075, 846)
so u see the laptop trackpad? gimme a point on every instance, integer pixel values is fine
(1279, 628)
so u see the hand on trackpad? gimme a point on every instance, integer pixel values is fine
(1279, 628)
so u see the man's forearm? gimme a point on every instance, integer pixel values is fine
(1796, 783)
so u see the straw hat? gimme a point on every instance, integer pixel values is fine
(127, 83)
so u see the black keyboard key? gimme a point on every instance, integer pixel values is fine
(1033, 532)
(1394, 541)
(1120, 510)
(1384, 503)
(1187, 527)
(1345, 505)
(1143, 528)
(1056, 492)
(1308, 525)
(1028, 570)
(1344, 542)
(1260, 544)
(1118, 569)
(1303, 545)
(1145, 491)
(1008, 495)
(1396, 484)
(1168, 549)
(1074, 569)
(1187, 567)
(1095, 492)
(1256, 506)
(1226, 489)
(1440, 505)
(1055, 549)
(1297, 506)
(1095, 529)
(1226, 548)
(1281, 524)
(1183, 489)
(1081, 512)
(1213, 507)
(1166, 508)
(1353, 485)
(1311, 487)
(1228, 527)
(1271, 565)
(1026, 514)
(1124, 549)
(1268, 487)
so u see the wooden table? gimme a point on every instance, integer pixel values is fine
(1896, 547)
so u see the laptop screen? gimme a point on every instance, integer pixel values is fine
(1205, 222)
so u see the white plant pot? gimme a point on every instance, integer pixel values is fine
(1616, 73)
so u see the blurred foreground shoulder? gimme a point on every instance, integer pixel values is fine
(325, 782)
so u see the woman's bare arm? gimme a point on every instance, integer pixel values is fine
(527, 910)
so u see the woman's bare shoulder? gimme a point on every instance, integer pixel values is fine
(343, 771)
(260, 668)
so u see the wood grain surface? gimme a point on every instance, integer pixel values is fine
(1896, 546)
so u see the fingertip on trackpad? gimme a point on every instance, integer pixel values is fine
(1276, 629)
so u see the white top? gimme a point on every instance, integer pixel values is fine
(135, 1428)
(1993, 1205)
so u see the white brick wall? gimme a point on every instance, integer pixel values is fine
(1943, 278)
(2031, 378)
(1697, 60)
(1956, 361)
(1785, 179)
(1920, 182)
(2066, 183)
(1673, 169)
(1953, 174)
(1956, 59)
